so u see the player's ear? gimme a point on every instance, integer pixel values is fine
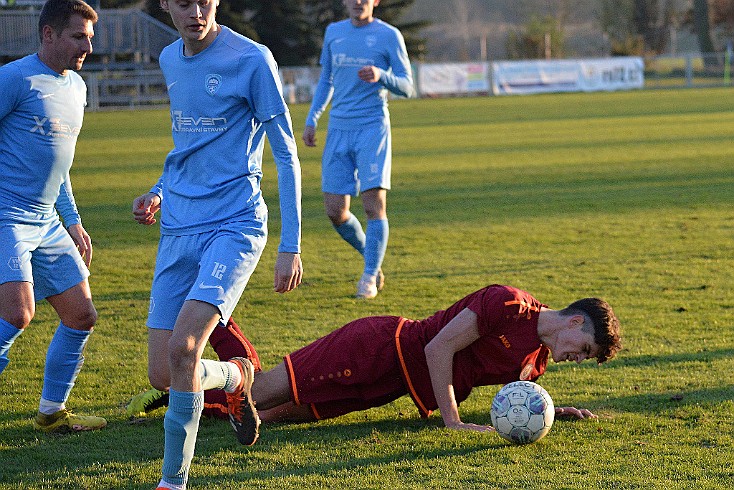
(164, 5)
(576, 320)
(47, 33)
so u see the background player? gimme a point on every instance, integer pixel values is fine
(41, 112)
(361, 60)
(225, 96)
(492, 336)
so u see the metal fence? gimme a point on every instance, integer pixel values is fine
(128, 32)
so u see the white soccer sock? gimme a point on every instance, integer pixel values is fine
(219, 375)
(48, 407)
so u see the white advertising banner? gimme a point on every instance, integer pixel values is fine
(589, 75)
(453, 78)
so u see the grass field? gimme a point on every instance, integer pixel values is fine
(628, 196)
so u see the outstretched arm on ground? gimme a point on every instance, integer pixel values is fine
(456, 335)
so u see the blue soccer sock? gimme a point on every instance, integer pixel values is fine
(64, 359)
(181, 424)
(8, 334)
(378, 231)
(351, 232)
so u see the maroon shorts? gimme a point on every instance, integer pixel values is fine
(353, 368)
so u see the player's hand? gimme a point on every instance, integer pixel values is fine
(82, 241)
(288, 272)
(370, 74)
(145, 207)
(474, 427)
(309, 136)
(573, 412)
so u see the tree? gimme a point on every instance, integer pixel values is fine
(541, 38)
(616, 18)
(702, 27)
(652, 20)
(293, 30)
(323, 12)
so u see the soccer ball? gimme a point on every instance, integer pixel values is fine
(522, 412)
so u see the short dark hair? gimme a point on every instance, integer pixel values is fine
(604, 322)
(56, 13)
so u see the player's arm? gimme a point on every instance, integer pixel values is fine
(399, 78)
(67, 209)
(322, 95)
(459, 333)
(288, 267)
(146, 205)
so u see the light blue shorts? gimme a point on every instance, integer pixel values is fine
(356, 160)
(212, 267)
(43, 254)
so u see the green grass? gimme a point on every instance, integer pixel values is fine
(628, 196)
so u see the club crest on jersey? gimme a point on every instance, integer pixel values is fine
(370, 40)
(14, 263)
(212, 83)
(527, 372)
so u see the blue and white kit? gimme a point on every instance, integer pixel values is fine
(223, 101)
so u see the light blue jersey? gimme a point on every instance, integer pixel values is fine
(41, 115)
(348, 48)
(222, 100)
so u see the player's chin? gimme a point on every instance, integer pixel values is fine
(76, 64)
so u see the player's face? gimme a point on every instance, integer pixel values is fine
(68, 49)
(194, 20)
(360, 11)
(575, 344)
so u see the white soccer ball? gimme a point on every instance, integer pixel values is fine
(522, 412)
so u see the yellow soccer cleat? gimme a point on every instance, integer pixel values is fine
(65, 421)
(144, 403)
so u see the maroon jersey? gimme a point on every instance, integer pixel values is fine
(508, 348)
(374, 360)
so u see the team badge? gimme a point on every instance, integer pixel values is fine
(212, 83)
(370, 41)
(14, 263)
(527, 372)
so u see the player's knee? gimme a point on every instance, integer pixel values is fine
(158, 380)
(337, 216)
(182, 355)
(83, 319)
(20, 318)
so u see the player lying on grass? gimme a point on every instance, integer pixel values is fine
(495, 335)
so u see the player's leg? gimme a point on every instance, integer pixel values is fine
(272, 394)
(228, 341)
(374, 162)
(186, 398)
(64, 360)
(287, 412)
(271, 388)
(17, 300)
(61, 278)
(343, 221)
(225, 269)
(17, 307)
(378, 231)
(339, 183)
(227, 258)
